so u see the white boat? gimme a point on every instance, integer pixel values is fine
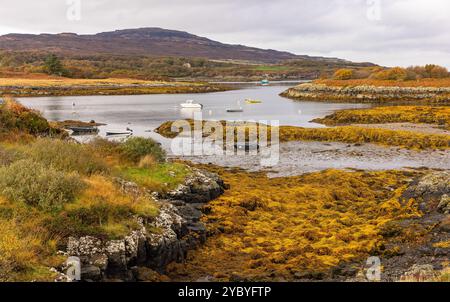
(191, 104)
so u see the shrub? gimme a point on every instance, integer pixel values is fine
(343, 74)
(362, 74)
(66, 156)
(14, 116)
(394, 74)
(137, 147)
(104, 147)
(437, 72)
(38, 185)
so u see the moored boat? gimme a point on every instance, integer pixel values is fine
(265, 82)
(251, 101)
(191, 104)
(128, 131)
(80, 130)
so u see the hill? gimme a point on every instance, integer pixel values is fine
(157, 54)
(144, 42)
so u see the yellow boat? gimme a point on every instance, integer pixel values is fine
(250, 101)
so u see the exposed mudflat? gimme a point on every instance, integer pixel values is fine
(298, 158)
(419, 128)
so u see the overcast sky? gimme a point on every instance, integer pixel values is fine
(387, 32)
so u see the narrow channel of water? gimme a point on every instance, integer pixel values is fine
(143, 113)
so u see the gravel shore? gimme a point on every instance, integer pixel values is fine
(298, 158)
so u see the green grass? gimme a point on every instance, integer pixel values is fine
(270, 68)
(159, 177)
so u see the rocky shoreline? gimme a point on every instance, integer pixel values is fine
(369, 94)
(144, 254)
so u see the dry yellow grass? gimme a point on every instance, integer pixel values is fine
(26, 249)
(66, 82)
(78, 87)
(104, 210)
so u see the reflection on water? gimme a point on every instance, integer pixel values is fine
(144, 113)
(189, 113)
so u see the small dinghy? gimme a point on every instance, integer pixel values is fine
(235, 110)
(250, 101)
(247, 146)
(83, 130)
(128, 131)
(191, 104)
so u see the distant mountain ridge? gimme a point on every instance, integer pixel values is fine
(146, 42)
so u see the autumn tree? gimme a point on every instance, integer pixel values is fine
(436, 71)
(343, 74)
(53, 65)
(394, 74)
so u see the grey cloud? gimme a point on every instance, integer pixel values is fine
(409, 32)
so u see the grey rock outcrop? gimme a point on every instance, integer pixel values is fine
(165, 239)
(199, 187)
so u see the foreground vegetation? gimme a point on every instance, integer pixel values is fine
(439, 116)
(52, 188)
(347, 134)
(298, 227)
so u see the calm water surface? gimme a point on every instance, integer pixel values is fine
(144, 113)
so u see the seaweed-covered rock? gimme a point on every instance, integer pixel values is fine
(431, 191)
(444, 204)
